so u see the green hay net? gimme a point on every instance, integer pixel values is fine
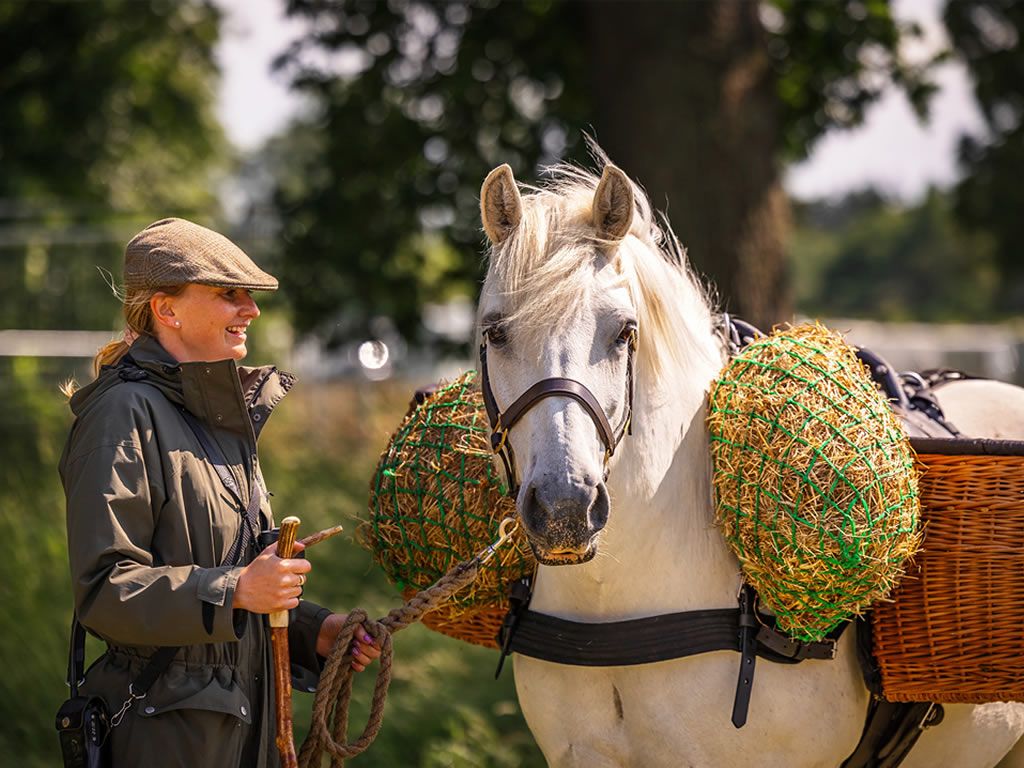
(815, 483)
(436, 499)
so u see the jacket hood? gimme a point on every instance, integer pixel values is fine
(162, 371)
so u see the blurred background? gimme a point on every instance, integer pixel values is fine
(857, 161)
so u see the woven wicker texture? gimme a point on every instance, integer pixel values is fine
(436, 500)
(814, 479)
(952, 630)
(476, 624)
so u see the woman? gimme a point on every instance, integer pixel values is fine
(161, 549)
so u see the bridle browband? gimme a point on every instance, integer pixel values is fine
(502, 421)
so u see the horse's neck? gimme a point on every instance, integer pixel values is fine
(660, 551)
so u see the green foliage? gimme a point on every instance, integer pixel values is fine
(417, 100)
(107, 102)
(833, 60)
(35, 608)
(867, 257)
(434, 95)
(106, 123)
(987, 34)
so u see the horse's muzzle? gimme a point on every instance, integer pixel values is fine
(562, 520)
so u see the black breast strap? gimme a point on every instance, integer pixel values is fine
(658, 638)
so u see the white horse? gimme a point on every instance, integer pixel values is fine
(575, 268)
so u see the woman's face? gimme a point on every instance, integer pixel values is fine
(205, 323)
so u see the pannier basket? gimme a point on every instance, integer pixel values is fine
(952, 631)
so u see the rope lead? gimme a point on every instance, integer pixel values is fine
(334, 692)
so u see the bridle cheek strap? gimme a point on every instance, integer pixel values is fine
(502, 422)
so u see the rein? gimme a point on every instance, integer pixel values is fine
(329, 726)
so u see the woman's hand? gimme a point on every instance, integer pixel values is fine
(269, 584)
(364, 650)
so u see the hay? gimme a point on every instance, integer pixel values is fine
(815, 483)
(436, 500)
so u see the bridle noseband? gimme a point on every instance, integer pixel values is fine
(502, 421)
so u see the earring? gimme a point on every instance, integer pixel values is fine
(177, 323)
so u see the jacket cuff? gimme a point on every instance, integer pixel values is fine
(304, 624)
(216, 590)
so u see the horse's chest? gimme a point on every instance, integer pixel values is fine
(675, 714)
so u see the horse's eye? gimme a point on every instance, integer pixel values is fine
(496, 334)
(627, 335)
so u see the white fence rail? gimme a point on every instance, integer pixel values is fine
(53, 343)
(994, 351)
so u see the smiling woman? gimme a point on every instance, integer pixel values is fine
(170, 530)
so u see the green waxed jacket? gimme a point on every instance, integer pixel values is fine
(149, 525)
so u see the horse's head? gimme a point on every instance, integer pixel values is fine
(558, 327)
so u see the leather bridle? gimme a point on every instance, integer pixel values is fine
(502, 421)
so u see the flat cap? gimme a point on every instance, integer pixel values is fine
(175, 252)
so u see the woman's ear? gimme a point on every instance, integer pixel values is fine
(161, 305)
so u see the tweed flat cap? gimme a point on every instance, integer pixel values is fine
(175, 251)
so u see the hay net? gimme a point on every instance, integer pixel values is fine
(814, 479)
(436, 499)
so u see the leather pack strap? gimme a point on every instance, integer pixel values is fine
(250, 528)
(155, 667)
(76, 656)
(130, 370)
(619, 643)
(748, 624)
(651, 638)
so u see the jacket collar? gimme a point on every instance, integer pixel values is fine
(221, 394)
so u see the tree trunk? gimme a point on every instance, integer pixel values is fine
(686, 104)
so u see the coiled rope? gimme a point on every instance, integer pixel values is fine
(335, 689)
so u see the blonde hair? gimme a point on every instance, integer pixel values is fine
(138, 319)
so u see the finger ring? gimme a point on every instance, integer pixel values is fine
(302, 579)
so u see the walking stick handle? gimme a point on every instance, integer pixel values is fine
(282, 666)
(285, 545)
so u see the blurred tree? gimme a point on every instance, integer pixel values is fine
(865, 256)
(416, 100)
(987, 35)
(106, 123)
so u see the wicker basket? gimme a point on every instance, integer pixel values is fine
(474, 624)
(951, 632)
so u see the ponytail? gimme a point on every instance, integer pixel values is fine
(138, 321)
(109, 354)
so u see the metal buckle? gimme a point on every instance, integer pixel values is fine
(501, 433)
(132, 698)
(507, 527)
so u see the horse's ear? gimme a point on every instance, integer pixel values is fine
(501, 208)
(613, 204)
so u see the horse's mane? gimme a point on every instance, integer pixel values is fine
(542, 271)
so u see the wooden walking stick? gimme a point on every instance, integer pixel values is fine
(282, 664)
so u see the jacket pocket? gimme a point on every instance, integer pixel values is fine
(184, 721)
(213, 697)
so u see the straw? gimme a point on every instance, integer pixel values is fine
(814, 478)
(436, 499)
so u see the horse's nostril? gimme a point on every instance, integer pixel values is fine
(534, 513)
(597, 515)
